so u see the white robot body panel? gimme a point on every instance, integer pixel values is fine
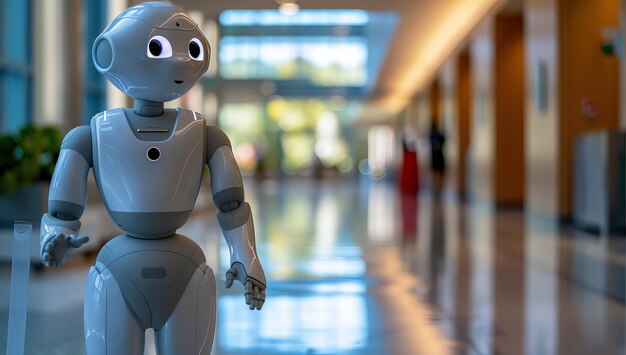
(134, 181)
(149, 187)
(152, 274)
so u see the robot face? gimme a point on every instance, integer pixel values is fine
(152, 51)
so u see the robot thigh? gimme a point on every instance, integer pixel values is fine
(191, 327)
(110, 328)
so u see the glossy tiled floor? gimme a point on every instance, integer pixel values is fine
(354, 268)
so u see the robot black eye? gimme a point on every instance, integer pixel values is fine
(194, 49)
(155, 47)
(159, 47)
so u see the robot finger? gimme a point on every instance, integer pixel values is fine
(68, 240)
(53, 242)
(256, 299)
(256, 292)
(230, 277)
(77, 242)
(48, 247)
(46, 257)
(261, 300)
(249, 293)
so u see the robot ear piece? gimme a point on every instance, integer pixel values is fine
(102, 54)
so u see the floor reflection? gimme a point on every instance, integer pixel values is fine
(354, 267)
(337, 279)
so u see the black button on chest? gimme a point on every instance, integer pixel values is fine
(153, 153)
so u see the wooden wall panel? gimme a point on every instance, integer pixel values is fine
(509, 110)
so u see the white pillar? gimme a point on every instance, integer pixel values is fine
(115, 98)
(49, 54)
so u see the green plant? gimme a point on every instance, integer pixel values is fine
(28, 156)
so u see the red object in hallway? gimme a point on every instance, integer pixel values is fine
(409, 179)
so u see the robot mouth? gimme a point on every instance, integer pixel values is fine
(178, 81)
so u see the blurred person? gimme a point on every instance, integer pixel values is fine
(437, 160)
(409, 177)
(408, 185)
(260, 148)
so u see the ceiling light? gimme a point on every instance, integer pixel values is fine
(289, 8)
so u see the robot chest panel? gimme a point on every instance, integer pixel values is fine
(142, 176)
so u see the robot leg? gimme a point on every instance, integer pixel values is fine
(191, 327)
(110, 328)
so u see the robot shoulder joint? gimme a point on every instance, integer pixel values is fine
(79, 140)
(215, 138)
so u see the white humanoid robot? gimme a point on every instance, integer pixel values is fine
(148, 163)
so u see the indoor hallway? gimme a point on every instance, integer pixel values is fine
(353, 268)
(425, 176)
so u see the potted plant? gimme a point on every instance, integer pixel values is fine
(27, 161)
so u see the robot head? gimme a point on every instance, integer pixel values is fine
(152, 51)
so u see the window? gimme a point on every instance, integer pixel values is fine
(95, 83)
(15, 65)
(320, 48)
(320, 60)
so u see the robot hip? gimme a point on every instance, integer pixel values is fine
(152, 274)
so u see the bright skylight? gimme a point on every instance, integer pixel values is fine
(302, 18)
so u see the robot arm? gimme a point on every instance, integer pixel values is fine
(66, 199)
(235, 218)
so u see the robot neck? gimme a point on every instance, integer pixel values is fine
(148, 108)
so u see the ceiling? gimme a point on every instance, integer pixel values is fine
(427, 33)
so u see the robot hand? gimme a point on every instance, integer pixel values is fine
(59, 248)
(255, 290)
(58, 239)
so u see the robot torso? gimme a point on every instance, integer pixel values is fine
(148, 187)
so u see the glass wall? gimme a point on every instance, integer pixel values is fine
(15, 65)
(295, 135)
(317, 65)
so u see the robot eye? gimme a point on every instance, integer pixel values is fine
(159, 47)
(196, 51)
